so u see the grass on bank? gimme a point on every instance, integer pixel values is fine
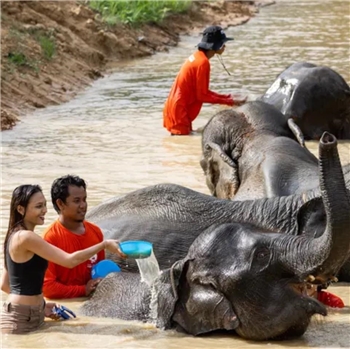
(48, 46)
(20, 56)
(137, 12)
(17, 58)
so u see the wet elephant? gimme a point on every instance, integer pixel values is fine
(234, 277)
(250, 153)
(314, 98)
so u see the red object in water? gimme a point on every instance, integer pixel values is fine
(330, 299)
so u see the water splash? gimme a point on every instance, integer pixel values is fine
(149, 269)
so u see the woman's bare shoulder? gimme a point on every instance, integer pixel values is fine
(24, 234)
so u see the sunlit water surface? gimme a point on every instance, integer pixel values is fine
(112, 136)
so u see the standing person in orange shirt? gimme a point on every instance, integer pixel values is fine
(191, 87)
(71, 232)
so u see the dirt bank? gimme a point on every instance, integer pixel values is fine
(52, 49)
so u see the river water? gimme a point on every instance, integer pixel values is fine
(112, 136)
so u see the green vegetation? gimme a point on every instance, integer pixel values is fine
(137, 12)
(17, 58)
(20, 55)
(46, 40)
(48, 46)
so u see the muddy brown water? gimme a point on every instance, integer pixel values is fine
(112, 136)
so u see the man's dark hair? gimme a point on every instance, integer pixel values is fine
(59, 188)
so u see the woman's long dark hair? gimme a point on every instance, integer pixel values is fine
(20, 196)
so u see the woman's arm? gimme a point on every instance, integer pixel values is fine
(5, 282)
(34, 243)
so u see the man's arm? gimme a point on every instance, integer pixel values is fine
(54, 289)
(203, 93)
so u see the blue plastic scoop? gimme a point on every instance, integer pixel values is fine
(103, 268)
(136, 249)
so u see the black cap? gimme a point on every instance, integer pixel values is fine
(213, 38)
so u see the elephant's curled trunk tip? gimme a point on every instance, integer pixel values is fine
(328, 139)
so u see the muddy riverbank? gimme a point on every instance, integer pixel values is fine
(53, 49)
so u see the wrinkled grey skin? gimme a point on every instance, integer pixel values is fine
(169, 215)
(235, 276)
(172, 215)
(317, 99)
(250, 153)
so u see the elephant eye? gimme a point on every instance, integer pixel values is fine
(205, 281)
(262, 254)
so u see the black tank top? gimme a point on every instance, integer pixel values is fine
(26, 278)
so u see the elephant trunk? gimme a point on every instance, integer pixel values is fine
(322, 257)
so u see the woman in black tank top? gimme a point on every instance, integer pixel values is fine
(26, 259)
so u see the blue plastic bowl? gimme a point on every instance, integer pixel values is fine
(136, 249)
(103, 268)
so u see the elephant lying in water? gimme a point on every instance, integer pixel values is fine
(316, 98)
(250, 153)
(231, 276)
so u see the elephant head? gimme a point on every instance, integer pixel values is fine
(231, 132)
(236, 277)
(314, 99)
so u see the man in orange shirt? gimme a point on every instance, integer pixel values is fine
(71, 233)
(191, 87)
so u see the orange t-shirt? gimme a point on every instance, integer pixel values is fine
(188, 93)
(61, 282)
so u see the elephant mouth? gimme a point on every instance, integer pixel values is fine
(308, 295)
(304, 289)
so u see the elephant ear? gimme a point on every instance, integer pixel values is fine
(165, 295)
(202, 309)
(197, 308)
(311, 218)
(221, 171)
